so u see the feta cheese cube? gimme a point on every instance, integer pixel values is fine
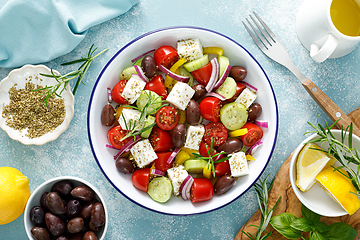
(130, 117)
(180, 95)
(238, 164)
(194, 136)
(190, 49)
(177, 175)
(143, 153)
(133, 88)
(247, 97)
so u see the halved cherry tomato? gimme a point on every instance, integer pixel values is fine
(239, 88)
(115, 134)
(201, 190)
(254, 134)
(140, 179)
(167, 118)
(203, 74)
(166, 56)
(203, 149)
(222, 168)
(160, 140)
(210, 109)
(156, 85)
(161, 162)
(116, 92)
(217, 132)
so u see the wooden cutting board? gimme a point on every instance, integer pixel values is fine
(290, 203)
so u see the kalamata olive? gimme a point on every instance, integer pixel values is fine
(108, 115)
(238, 73)
(178, 135)
(89, 235)
(193, 113)
(97, 216)
(231, 145)
(75, 225)
(124, 165)
(86, 210)
(254, 112)
(199, 91)
(55, 203)
(54, 224)
(93, 228)
(223, 184)
(77, 236)
(40, 233)
(73, 208)
(43, 202)
(83, 193)
(148, 64)
(62, 238)
(37, 215)
(63, 187)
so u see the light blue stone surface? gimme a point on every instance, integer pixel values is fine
(70, 154)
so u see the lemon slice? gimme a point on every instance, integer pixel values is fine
(339, 188)
(309, 163)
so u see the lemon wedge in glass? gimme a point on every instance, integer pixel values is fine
(309, 163)
(339, 188)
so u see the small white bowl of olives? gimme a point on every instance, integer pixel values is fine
(65, 208)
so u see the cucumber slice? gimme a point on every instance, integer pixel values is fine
(228, 88)
(183, 72)
(233, 115)
(127, 72)
(223, 63)
(149, 120)
(144, 98)
(197, 63)
(160, 189)
(195, 165)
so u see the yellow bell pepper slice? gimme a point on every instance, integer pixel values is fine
(181, 157)
(250, 158)
(168, 80)
(207, 171)
(182, 116)
(239, 132)
(189, 151)
(213, 50)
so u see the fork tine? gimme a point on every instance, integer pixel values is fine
(268, 38)
(272, 35)
(256, 40)
(259, 35)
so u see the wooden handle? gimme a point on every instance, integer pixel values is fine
(328, 106)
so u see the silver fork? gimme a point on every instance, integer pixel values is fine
(267, 41)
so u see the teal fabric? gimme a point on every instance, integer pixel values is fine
(37, 31)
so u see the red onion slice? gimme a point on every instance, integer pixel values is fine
(157, 172)
(142, 55)
(214, 74)
(222, 78)
(185, 187)
(173, 155)
(254, 147)
(110, 146)
(213, 94)
(109, 95)
(262, 124)
(127, 146)
(175, 76)
(141, 73)
(250, 86)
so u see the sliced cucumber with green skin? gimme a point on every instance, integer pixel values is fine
(233, 115)
(149, 120)
(144, 98)
(223, 63)
(127, 72)
(160, 189)
(195, 165)
(138, 62)
(183, 72)
(228, 88)
(197, 63)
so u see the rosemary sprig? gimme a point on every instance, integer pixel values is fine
(262, 193)
(344, 153)
(211, 157)
(64, 80)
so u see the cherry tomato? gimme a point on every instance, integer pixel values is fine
(160, 140)
(254, 134)
(161, 162)
(222, 168)
(210, 109)
(167, 118)
(202, 75)
(217, 132)
(140, 179)
(116, 92)
(156, 85)
(201, 190)
(115, 134)
(239, 88)
(166, 56)
(203, 149)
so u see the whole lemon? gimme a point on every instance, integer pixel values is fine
(14, 194)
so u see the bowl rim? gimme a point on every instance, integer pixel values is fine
(60, 178)
(165, 29)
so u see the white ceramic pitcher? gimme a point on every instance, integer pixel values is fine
(318, 34)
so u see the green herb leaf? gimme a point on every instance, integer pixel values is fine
(309, 215)
(340, 231)
(282, 222)
(321, 226)
(316, 236)
(301, 224)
